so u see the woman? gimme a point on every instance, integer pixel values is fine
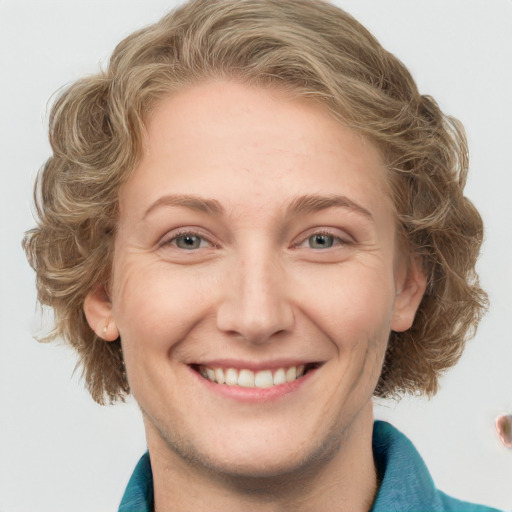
(253, 222)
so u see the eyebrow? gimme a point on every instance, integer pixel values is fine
(192, 202)
(314, 203)
(299, 206)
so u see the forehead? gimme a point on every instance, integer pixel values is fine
(247, 143)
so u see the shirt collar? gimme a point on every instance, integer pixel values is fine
(405, 483)
(138, 496)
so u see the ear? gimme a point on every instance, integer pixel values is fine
(411, 284)
(98, 311)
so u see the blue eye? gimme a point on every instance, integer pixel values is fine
(321, 241)
(189, 241)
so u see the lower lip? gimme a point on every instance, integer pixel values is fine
(255, 395)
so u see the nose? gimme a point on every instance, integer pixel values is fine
(255, 304)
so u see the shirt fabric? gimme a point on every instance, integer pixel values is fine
(405, 483)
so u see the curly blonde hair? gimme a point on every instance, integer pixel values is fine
(315, 50)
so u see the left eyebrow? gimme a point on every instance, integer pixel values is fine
(314, 203)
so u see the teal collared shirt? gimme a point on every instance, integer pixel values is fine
(406, 484)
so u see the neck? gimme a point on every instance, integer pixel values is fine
(343, 480)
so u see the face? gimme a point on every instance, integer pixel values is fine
(256, 279)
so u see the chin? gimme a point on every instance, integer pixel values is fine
(279, 457)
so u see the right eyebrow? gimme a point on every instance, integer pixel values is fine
(314, 203)
(192, 202)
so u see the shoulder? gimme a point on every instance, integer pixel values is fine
(450, 504)
(405, 482)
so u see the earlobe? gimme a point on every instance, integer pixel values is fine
(98, 312)
(409, 293)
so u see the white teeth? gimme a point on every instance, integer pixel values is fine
(249, 379)
(219, 376)
(246, 378)
(263, 379)
(279, 377)
(291, 374)
(231, 377)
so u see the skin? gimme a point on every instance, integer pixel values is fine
(256, 290)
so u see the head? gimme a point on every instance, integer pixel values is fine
(308, 51)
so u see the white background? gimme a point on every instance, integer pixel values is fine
(61, 452)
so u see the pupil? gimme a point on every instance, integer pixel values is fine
(188, 242)
(321, 241)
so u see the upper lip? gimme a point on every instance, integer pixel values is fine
(256, 365)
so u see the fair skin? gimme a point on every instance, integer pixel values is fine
(256, 236)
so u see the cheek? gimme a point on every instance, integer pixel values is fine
(353, 304)
(155, 306)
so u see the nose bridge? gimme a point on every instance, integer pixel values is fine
(255, 304)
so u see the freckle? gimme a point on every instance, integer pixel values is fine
(504, 428)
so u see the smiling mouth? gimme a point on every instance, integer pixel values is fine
(249, 379)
